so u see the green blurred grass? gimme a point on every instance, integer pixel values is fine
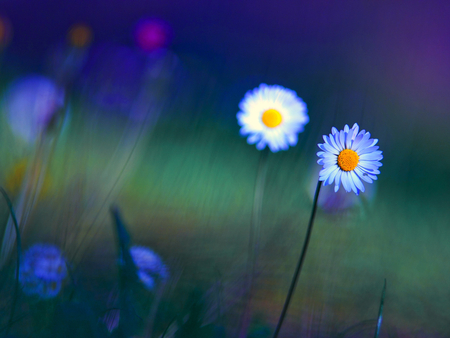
(189, 196)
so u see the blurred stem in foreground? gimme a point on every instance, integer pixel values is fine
(254, 239)
(19, 250)
(33, 181)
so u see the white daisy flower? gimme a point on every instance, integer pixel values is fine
(349, 157)
(273, 116)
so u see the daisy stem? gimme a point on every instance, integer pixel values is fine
(19, 245)
(254, 238)
(300, 262)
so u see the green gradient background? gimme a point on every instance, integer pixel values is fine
(190, 198)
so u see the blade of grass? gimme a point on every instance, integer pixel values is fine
(380, 312)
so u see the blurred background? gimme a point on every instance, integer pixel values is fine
(133, 103)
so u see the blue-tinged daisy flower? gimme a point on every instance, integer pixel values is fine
(272, 116)
(30, 104)
(42, 270)
(349, 157)
(149, 266)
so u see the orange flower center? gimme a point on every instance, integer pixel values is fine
(271, 118)
(348, 159)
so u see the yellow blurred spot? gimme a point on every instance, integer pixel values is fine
(80, 35)
(16, 175)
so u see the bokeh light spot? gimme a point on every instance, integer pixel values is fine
(152, 34)
(80, 35)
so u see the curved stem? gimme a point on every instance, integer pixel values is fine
(254, 238)
(19, 245)
(300, 262)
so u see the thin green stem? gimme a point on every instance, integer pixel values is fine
(300, 262)
(19, 246)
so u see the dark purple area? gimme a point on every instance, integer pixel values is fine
(392, 56)
(293, 36)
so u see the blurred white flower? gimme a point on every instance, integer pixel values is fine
(272, 116)
(30, 104)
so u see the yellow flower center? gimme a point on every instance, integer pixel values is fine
(272, 118)
(348, 159)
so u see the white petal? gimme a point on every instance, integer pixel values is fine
(363, 175)
(325, 172)
(357, 141)
(336, 144)
(337, 181)
(357, 181)
(350, 181)
(332, 176)
(348, 140)
(342, 138)
(252, 139)
(367, 150)
(363, 142)
(261, 145)
(330, 149)
(292, 139)
(329, 142)
(345, 182)
(355, 130)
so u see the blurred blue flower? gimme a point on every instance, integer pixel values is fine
(273, 116)
(42, 270)
(113, 78)
(149, 265)
(30, 104)
(349, 157)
